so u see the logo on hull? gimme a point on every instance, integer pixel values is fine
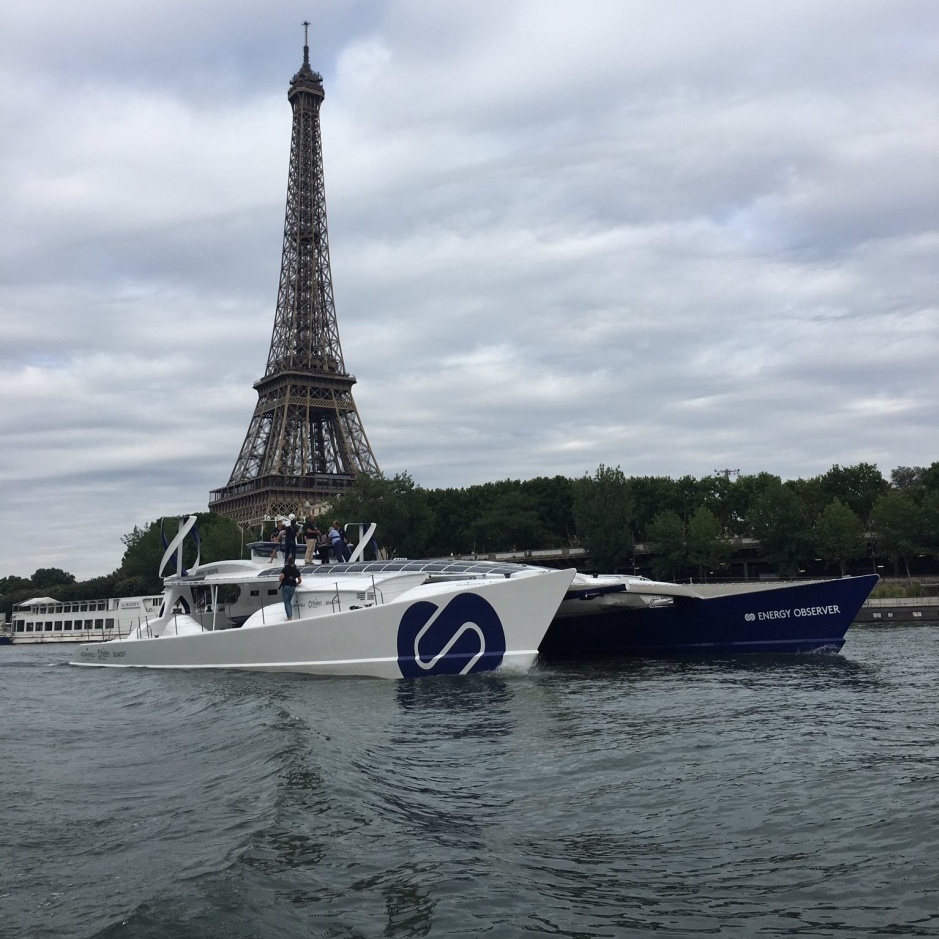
(465, 636)
(796, 613)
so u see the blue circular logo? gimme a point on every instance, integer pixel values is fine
(465, 636)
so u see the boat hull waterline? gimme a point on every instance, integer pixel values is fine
(450, 628)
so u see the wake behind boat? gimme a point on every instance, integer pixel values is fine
(384, 623)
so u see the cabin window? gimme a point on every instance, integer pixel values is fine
(272, 593)
(84, 608)
(255, 593)
(109, 622)
(68, 624)
(29, 627)
(99, 623)
(88, 624)
(48, 627)
(19, 627)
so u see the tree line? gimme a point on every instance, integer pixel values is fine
(683, 527)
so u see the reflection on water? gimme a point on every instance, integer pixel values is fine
(770, 795)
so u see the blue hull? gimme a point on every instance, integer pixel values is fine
(797, 618)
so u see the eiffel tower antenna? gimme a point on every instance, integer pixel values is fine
(305, 443)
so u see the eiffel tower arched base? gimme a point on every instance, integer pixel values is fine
(251, 503)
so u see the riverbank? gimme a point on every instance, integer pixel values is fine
(899, 610)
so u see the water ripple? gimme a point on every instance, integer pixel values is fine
(771, 796)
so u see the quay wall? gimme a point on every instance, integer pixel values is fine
(900, 610)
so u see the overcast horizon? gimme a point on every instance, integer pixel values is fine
(670, 237)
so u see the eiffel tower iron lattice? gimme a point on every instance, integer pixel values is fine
(305, 443)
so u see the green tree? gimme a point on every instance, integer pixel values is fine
(858, 487)
(907, 477)
(453, 512)
(51, 577)
(398, 507)
(603, 512)
(652, 495)
(717, 497)
(929, 478)
(897, 526)
(59, 586)
(929, 515)
(553, 499)
(708, 548)
(509, 522)
(667, 544)
(744, 493)
(778, 518)
(839, 535)
(11, 583)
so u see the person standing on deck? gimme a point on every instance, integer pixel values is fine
(277, 536)
(312, 535)
(290, 538)
(338, 542)
(290, 579)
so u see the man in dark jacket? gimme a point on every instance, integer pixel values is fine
(312, 535)
(290, 538)
(290, 579)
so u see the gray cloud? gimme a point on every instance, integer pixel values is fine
(670, 237)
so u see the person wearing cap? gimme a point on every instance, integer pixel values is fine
(290, 579)
(290, 538)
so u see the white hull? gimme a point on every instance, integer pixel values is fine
(435, 628)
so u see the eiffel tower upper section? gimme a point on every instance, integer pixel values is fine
(305, 443)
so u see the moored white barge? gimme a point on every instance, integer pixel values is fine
(44, 619)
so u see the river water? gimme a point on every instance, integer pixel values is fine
(784, 796)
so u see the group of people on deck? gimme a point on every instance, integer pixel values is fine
(327, 546)
(288, 534)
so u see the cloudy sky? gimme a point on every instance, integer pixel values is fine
(665, 235)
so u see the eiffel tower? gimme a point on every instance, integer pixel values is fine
(305, 443)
